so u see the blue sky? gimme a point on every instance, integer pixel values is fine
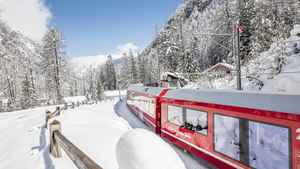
(98, 27)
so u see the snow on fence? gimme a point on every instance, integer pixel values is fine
(58, 141)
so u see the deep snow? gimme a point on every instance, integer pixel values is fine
(140, 148)
(95, 129)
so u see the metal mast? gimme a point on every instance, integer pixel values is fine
(158, 58)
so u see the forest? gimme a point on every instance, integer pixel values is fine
(33, 74)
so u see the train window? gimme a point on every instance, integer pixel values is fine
(136, 98)
(141, 103)
(196, 121)
(147, 105)
(175, 115)
(268, 146)
(152, 107)
(227, 136)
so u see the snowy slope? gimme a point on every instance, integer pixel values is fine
(287, 80)
(95, 129)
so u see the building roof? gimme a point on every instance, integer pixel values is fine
(166, 74)
(222, 64)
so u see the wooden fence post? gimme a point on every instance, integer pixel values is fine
(58, 109)
(66, 106)
(55, 148)
(105, 100)
(47, 115)
(96, 101)
(82, 102)
(73, 105)
(77, 103)
(100, 100)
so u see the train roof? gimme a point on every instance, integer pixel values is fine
(147, 90)
(280, 102)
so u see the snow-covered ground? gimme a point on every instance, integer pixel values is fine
(95, 129)
(283, 52)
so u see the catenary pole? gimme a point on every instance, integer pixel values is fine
(158, 58)
(238, 62)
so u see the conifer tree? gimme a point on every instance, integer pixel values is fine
(92, 82)
(54, 61)
(111, 78)
(28, 99)
(133, 68)
(125, 71)
(100, 90)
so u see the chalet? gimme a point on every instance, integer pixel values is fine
(170, 80)
(222, 68)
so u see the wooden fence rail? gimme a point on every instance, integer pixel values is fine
(58, 141)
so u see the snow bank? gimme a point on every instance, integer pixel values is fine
(140, 148)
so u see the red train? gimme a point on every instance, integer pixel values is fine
(228, 129)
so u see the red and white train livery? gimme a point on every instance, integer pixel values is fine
(228, 129)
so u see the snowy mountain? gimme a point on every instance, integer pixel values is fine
(81, 64)
(185, 20)
(14, 42)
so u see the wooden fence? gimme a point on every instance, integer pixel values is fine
(58, 141)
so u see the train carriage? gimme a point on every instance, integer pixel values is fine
(234, 129)
(145, 103)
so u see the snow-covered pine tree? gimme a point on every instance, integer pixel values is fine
(100, 90)
(134, 77)
(92, 80)
(261, 27)
(28, 99)
(125, 71)
(279, 58)
(246, 17)
(111, 78)
(54, 63)
(141, 68)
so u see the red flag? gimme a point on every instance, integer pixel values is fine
(240, 29)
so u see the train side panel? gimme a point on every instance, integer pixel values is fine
(231, 136)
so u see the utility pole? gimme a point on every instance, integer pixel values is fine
(238, 62)
(158, 58)
(237, 31)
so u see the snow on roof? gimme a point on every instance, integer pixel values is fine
(280, 102)
(150, 90)
(223, 64)
(172, 74)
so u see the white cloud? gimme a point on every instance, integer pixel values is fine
(125, 48)
(31, 17)
(81, 63)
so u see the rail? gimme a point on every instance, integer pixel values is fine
(49, 115)
(58, 141)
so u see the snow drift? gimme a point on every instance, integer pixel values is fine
(140, 148)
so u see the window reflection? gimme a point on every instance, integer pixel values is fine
(196, 121)
(175, 115)
(226, 136)
(268, 146)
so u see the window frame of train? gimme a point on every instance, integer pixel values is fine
(244, 139)
(184, 118)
